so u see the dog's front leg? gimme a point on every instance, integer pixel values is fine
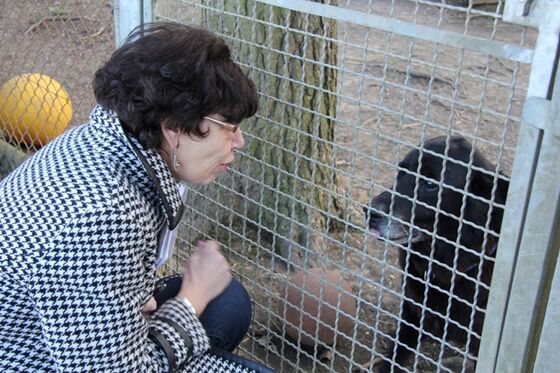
(407, 336)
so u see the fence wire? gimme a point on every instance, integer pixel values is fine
(405, 72)
(61, 44)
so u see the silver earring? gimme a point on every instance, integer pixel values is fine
(174, 160)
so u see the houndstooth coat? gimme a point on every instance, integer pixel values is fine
(78, 241)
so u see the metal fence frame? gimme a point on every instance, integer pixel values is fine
(520, 333)
(520, 289)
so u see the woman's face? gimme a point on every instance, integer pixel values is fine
(203, 159)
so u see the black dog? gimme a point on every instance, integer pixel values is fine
(439, 221)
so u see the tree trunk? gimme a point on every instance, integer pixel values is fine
(289, 166)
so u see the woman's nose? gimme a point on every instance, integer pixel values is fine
(238, 139)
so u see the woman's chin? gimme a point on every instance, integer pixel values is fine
(205, 179)
(208, 180)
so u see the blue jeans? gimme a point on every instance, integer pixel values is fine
(226, 319)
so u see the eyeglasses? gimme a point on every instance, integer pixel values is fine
(227, 126)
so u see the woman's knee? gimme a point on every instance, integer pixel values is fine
(227, 318)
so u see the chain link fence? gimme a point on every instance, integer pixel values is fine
(347, 90)
(50, 50)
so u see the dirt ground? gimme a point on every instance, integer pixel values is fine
(399, 92)
(67, 40)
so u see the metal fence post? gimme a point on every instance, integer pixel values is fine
(518, 305)
(515, 300)
(128, 15)
(548, 359)
(534, 270)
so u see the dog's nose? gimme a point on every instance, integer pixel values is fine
(373, 217)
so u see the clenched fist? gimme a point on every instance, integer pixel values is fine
(205, 275)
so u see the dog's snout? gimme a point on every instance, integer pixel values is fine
(377, 209)
(373, 216)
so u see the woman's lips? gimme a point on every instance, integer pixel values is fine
(224, 166)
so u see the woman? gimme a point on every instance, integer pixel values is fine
(85, 220)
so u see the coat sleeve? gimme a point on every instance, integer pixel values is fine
(87, 287)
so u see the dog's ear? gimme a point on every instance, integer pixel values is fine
(482, 184)
(475, 212)
(502, 190)
(500, 197)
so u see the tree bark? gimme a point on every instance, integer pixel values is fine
(289, 163)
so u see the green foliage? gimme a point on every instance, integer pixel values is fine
(10, 158)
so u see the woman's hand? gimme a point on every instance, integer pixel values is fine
(149, 307)
(205, 275)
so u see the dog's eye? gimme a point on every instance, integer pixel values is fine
(429, 185)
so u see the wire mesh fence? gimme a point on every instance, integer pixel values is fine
(347, 93)
(50, 50)
(378, 161)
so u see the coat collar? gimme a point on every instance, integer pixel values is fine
(152, 162)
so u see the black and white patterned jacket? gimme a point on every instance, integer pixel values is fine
(79, 225)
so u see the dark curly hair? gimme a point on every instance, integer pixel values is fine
(173, 73)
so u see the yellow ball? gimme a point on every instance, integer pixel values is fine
(34, 109)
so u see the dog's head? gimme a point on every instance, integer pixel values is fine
(434, 190)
